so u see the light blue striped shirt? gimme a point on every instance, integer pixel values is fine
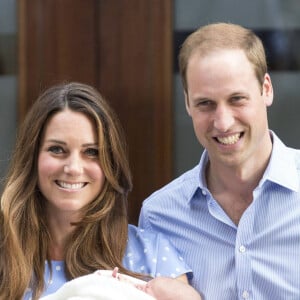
(258, 259)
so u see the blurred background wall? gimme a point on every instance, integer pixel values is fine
(8, 80)
(128, 50)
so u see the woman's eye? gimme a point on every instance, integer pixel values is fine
(56, 149)
(92, 152)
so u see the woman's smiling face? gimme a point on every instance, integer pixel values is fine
(69, 172)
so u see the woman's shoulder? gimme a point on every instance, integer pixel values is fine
(152, 253)
(141, 236)
(141, 243)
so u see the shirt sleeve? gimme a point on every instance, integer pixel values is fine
(143, 220)
(153, 254)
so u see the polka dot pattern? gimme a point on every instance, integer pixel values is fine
(146, 253)
(152, 254)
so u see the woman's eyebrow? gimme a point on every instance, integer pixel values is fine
(55, 141)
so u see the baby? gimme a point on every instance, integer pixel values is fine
(110, 285)
(100, 285)
(162, 288)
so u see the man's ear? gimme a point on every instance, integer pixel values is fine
(187, 104)
(267, 90)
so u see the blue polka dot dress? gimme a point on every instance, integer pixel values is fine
(148, 253)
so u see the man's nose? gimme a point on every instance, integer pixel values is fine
(223, 118)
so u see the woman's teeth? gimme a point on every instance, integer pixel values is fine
(70, 186)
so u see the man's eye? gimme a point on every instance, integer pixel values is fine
(204, 103)
(237, 98)
(56, 149)
(92, 152)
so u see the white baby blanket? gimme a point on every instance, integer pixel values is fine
(100, 286)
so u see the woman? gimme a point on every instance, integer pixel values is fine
(64, 204)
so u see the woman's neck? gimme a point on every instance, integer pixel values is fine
(60, 229)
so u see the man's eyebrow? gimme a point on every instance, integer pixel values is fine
(201, 99)
(239, 93)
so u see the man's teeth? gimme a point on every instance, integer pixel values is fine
(229, 140)
(70, 186)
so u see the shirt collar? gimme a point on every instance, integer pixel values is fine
(198, 183)
(282, 167)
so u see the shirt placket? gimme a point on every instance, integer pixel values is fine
(243, 255)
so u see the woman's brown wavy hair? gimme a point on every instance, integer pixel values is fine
(99, 239)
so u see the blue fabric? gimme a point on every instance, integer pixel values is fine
(258, 259)
(148, 253)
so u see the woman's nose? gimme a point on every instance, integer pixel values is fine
(73, 165)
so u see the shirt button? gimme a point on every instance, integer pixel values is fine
(242, 249)
(245, 295)
(203, 192)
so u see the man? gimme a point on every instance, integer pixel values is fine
(235, 217)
